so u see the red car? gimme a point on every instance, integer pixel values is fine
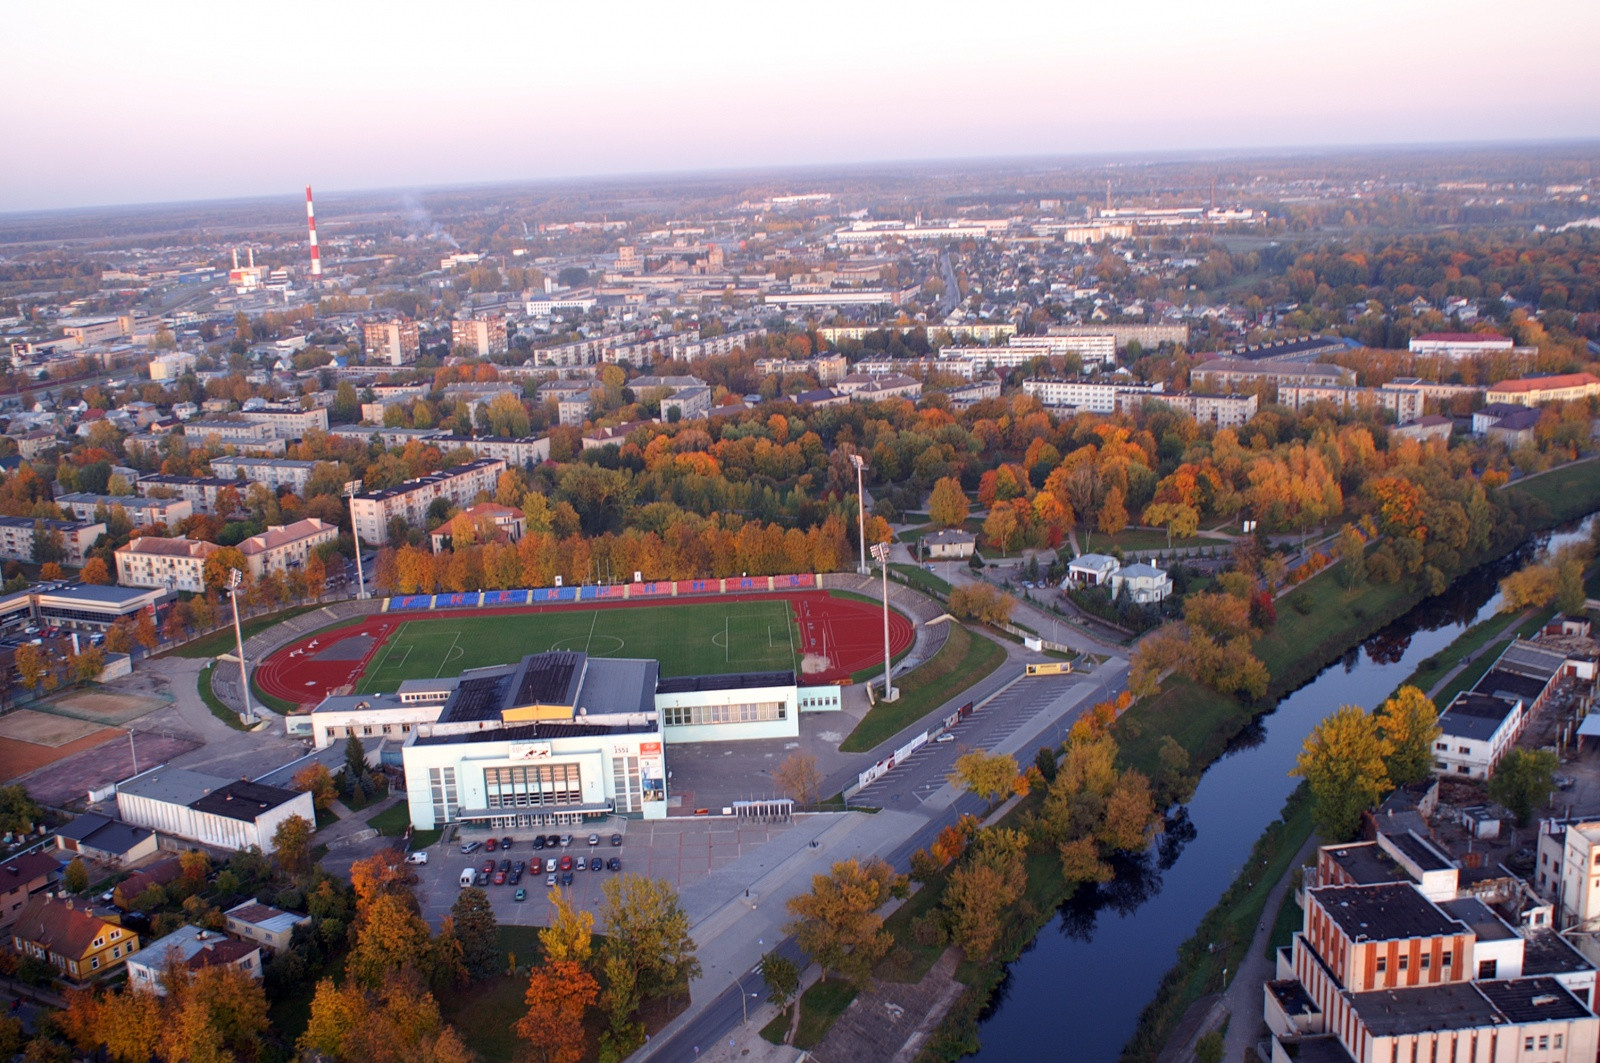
(566, 863)
(488, 867)
(489, 846)
(499, 878)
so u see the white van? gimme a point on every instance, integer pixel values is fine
(467, 877)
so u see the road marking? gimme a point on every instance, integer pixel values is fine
(592, 623)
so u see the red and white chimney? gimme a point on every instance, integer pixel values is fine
(316, 252)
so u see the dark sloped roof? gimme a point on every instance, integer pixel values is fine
(243, 800)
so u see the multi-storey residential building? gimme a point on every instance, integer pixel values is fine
(1147, 336)
(1567, 855)
(964, 397)
(529, 450)
(1534, 390)
(141, 511)
(828, 368)
(1432, 389)
(273, 472)
(152, 561)
(389, 437)
(373, 510)
(1231, 374)
(257, 922)
(573, 408)
(395, 342)
(862, 387)
(74, 537)
(283, 547)
(1224, 411)
(482, 336)
(288, 422)
(689, 395)
(71, 938)
(232, 432)
(492, 521)
(1087, 395)
(199, 491)
(1091, 347)
(171, 366)
(1405, 403)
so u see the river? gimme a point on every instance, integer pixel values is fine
(1092, 969)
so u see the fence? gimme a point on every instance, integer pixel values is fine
(887, 764)
(621, 592)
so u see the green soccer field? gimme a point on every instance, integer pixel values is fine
(702, 639)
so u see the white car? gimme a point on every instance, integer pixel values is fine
(418, 857)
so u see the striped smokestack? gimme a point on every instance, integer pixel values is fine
(316, 252)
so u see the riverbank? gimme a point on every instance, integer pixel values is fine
(1328, 622)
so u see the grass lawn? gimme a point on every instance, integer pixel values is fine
(1430, 671)
(214, 703)
(222, 641)
(1468, 677)
(1320, 616)
(1200, 720)
(819, 1007)
(700, 639)
(964, 659)
(485, 1014)
(1568, 492)
(392, 821)
(1141, 539)
(921, 578)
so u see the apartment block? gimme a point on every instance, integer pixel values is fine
(373, 510)
(1534, 390)
(141, 511)
(75, 536)
(272, 472)
(1223, 374)
(1405, 403)
(481, 336)
(199, 491)
(1224, 411)
(288, 422)
(287, 546)
(1086, 395)
(395, 342)
(174, 564)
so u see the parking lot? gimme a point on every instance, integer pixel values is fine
(682, 851)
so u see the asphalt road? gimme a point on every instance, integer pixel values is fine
(1016, 711)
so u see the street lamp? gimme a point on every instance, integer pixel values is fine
(880, 553)
(861, 510)
(235, 577)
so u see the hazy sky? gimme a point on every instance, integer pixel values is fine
(137, 102)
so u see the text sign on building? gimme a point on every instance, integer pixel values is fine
(530, 751)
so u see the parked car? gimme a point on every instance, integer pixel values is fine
(491, 845)
(538, 841)
(594, 839)
(516, 877)
(418, 857)
(550, 879)
(505, 865)
(520, 895)
(566, 879)
(946, 737)
(550, 864)
(566, 840)
(520, 866)
(499, 878)
(505, 843)
(594, 864)
(551, 841)
(488, 867)
(614, 864)
(482, 879)
(471, 847)
(616, 839)
(566, 863)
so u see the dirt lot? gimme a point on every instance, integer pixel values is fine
(108, 708)
(44, 729)
(30, 741)
(66, 775)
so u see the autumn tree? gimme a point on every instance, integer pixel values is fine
(390, 936)
(1343, 762)
(1113, 512)
(1523, 780)
(216, 1013)
(219, 567)
(982, 602)
(1351, 549)
(317, 780)
(95, 571)
(76, 877)
(837, 922)
(399, 1023)
(119, 637)
(987, 883)
(986, 774)
(782, 976)
(291, 844)
(86, 665)
(1409, 723)
(478, 931)
(570, 935)
(559, 994)
(797, 776)
(33, 667)
(384, 872)
(646, 926)
(947, 505)
(1000, 526)
(144, 631)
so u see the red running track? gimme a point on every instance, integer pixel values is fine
(849, 632)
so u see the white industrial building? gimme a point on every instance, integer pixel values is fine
(226, 813)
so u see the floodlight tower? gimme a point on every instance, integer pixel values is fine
(880, 553)
(316, 252)
(861, 511)
(235, 578)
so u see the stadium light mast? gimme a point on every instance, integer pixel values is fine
(861, 511)
(880, 553)
(351, 489)
(235, 578)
